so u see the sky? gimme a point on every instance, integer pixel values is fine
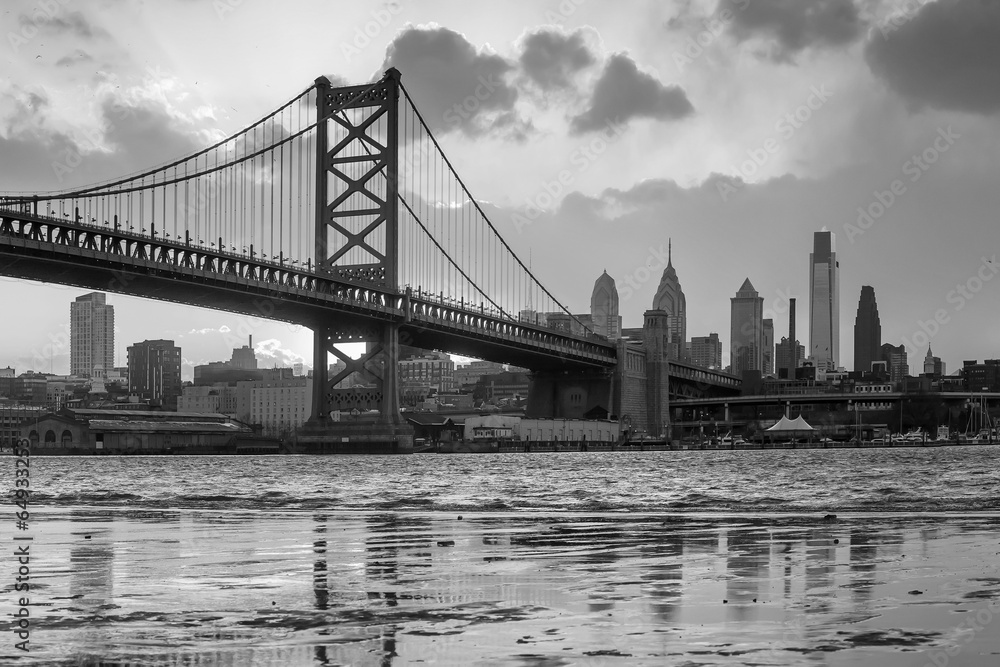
(601, 130)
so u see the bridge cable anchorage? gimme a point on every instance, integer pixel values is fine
(486, 219)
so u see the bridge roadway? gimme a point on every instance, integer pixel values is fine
(102, 258)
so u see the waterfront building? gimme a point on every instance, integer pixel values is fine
(604, 308)
(154, 372)
(896, 362)
(670, 298)
(767, 335)
(867, 331)
(824, 301)
(706, 351)
(91, 334)
(981, 377)
(279, 406)
(746, 330)
(933, 366)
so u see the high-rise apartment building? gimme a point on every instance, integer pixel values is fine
(706, 351)
(746, 348)
(824, 301)
(154, 371)
(604, 315)
(92, 335)
(867, 331)
(670, 298)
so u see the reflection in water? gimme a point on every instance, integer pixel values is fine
(331, 588)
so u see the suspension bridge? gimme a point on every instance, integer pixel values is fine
(338, 211)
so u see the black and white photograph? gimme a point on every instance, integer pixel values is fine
(534, 333)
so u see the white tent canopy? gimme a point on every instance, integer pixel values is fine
(786, 424)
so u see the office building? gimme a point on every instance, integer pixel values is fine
(824, 301)
(244, 357)
(154, 372)
(670, 298)
(604, 315)
(92, 335)
(867, 331)
(767, 335)
(788, 358)
(746, 348)
(896, 363)
(706, 351)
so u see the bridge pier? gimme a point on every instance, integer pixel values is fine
(570, 395)
(342, 421)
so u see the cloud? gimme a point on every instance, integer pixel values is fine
(946, 56)
(551, 58)
(222, 329)
(623, 92)
(455, 86)
(73, 23)
(794, 25)
(272, 349)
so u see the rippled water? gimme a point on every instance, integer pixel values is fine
(891, 480)
(646, 558)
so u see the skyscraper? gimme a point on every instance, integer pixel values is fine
(746, 348)
(670, 298)
(604, 308)
(824, 301)
(867, 331)
(768, 350)
(92, 335)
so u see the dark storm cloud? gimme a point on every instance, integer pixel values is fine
(946, 55)
(454, 86)
(623, 93)
(36, 157)
(551, 59)
(795, 25)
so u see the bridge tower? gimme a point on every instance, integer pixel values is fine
(357, 241)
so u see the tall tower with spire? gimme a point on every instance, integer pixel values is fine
(670, 298)
(604, 308)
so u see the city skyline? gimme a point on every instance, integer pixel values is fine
(733, 178)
